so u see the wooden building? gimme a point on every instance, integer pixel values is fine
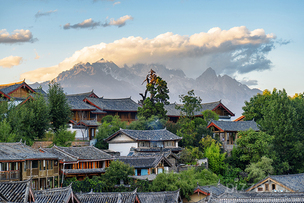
(228, 130)
(147, 165)
(20, 162)
(16, 90)
(218, 107)
(279, 183)
(125, 108)
(144, 140)
(80, 162)
(201, 192)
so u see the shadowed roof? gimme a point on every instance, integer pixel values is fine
(76, 103)
(124, 104)
(160, 197)
(234, 126)
(143, 162)
(16, 191)
(147, 135)
(214, 189)
(294, 182)
(85, 153)
(62, 195)
(108, 197)
(172, 111)
(82, 96)
(20, 151)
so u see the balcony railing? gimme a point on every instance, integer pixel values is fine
(9, 175)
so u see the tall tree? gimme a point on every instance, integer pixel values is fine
(60, 112)
(215, 158)
(191, 104)
(155, 96)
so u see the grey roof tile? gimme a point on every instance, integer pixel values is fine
(65, 157)
(62, 195)
(86, 153)
(148, 135)
(108, 197)
(172, 111)
(76, 103)
(124, 104)
(84, 171)
(160, 197)
(89, 123)
(20, 151)
(144, 161)
(236, 126)
(16, 191)
(214, 189)
(82, 96)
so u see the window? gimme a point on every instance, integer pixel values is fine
(139, 172)
(55, 163)
(3, 167)
(260, 189)
(35, 164)
(273, 186)
(51, 164)
(266, 187)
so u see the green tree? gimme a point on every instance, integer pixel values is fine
(109, 126)
(258, 171)
(210, 115)
(155, 97)
(63, 137)
(118, 171)
(6, 134)
(191, 104)
(152, 123)
(215, 158)
(40, 111)
(60, 112)
(252, 145)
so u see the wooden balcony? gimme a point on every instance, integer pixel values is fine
(9, 175)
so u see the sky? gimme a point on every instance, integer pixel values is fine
(259, 43)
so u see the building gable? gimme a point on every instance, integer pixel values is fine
(122, 138)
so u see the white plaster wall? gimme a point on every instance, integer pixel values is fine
(78, 132)
(278, 188)
(123, 148)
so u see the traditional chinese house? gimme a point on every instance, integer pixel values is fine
(125, 108)
(16, 191)
(20, 162)
(218, 107)
(228, 130)
(144, 140)
(15, 90)
(147, 165)
(201, 192)
(80, 162)
(161, 197)
(279, 183)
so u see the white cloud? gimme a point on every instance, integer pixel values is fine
(37, 56)
(121, 21)
(16, 36)
(116, 3)
(88, 23)
(219, 49)
(10, 61)
(40, 14)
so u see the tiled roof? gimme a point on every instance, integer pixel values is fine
(235, 126)
(172, 111)
(214, 189)
(62, 195)
(98, 111)
(293, 181)
(76, 103)
(124, 104)
(65, 157)
(82, 96)
(39, 90)
(89, 123)
(143, 162)
(85, 153)
(83, 171)
(20, 151)
(16, 191)
(164, 153)
(158, 149)
(108, 197)
(234, 197)
(150, 177)
(11, 87)
(159, 197)
(147, 135)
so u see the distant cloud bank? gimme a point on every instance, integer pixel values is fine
(40, 14)
(237, 50)
(10, 61)
(90, 24)
(17, 36)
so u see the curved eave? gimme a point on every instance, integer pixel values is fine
(224, 107)
(213, 125)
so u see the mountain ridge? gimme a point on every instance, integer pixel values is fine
(110, 81)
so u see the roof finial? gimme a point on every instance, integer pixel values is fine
(219, 182)
(21, 140)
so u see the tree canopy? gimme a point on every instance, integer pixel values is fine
(190, 104)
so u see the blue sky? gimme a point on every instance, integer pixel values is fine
(257, 42)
